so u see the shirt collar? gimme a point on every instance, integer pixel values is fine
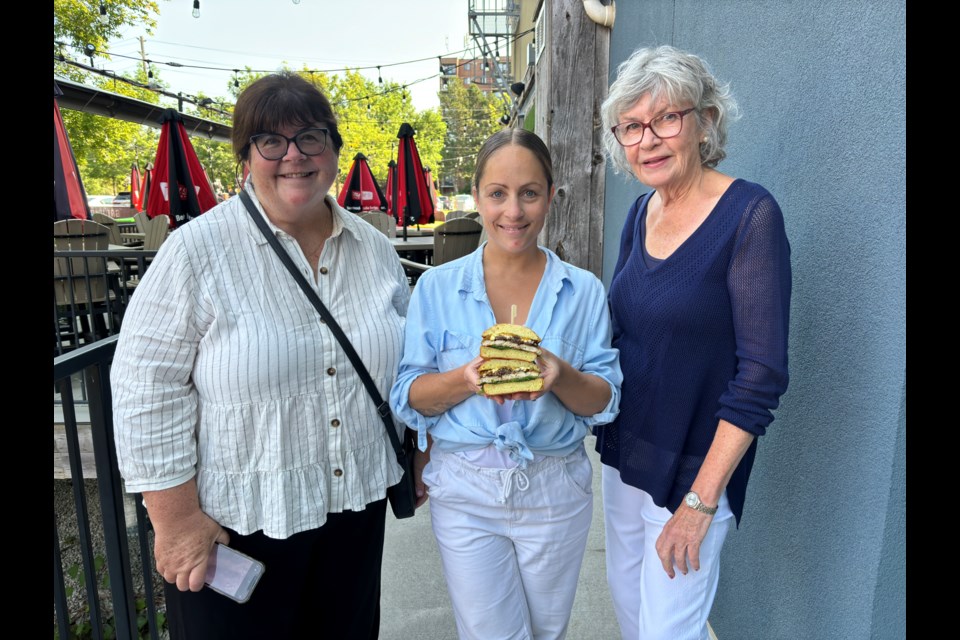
(343, 220)
(555, 274)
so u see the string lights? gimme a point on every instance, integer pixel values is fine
(448, 70)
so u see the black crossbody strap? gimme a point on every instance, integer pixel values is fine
(383, 409)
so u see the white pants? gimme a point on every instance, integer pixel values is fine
(511, 542)
(648, 604)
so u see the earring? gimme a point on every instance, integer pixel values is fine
(704, 141)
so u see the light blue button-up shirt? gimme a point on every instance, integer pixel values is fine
(448, 312)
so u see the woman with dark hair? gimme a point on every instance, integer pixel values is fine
(700, 299)
(238, 415)
(508, 478)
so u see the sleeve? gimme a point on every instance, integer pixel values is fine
(601, 359)
(759, 282)
(419, 357)
(155, 404)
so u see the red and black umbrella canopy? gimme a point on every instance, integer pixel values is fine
(69, 198)
(413, 196)
(135, 186)
(392, 190)
(360, 191)
(145, 184)
(180, 189)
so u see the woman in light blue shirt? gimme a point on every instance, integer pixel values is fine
(508, 477)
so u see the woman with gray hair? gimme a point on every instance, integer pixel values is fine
(700, 300)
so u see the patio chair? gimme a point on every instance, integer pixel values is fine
(384, 223)
(110, 224)
(141, 219)
(155, 232)
(82, 287)
(453, 215)
(454, 239)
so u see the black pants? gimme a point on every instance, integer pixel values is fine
(323, 583)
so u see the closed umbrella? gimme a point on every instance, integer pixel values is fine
(360, 190)
(392, 190)
(413, 197)
(135, 187)
(69, 198)
(180, 188)
(145, 184)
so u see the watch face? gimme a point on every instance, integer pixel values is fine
(691, 499)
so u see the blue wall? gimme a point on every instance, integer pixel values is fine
(820, 551)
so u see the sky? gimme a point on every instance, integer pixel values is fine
(324, 35)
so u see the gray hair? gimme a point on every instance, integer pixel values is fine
(680, 77)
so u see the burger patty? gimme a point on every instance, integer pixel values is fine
(504, 375)
(501, 343)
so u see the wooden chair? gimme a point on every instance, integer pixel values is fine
(384, 223)
(455, 238)
(82, 287)
(453, 215)
(141, 219)
(110, 224)
(155, 232)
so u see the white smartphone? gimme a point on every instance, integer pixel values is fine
(232, 573)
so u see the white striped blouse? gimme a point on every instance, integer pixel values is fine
(225, 371)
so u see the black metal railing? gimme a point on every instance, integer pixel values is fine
(111, 598)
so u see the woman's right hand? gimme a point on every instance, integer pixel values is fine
(182, 549)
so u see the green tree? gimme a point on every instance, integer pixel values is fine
(471, 116)
(106, 148)
(369, 115)
(77, 23)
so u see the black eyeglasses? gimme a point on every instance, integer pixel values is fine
(666, 125)
(273, 146)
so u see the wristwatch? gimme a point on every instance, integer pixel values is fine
(692, 500)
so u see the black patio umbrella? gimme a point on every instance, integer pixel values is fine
(413, 195)
(180, 188)
(360, 191)
(69, 198)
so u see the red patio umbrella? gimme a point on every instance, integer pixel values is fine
(69, 198)
(392, 190)
(360, 190)
(135, 187)
(145, 184)
(180, 189)
(413, 197)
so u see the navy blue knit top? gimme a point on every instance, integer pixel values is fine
(702, 337)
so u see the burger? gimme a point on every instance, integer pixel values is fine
(510, 342)
(509, 352)
(501, 376)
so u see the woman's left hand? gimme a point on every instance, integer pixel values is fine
(681, 538)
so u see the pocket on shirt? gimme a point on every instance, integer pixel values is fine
(564, 349)
(457, 349)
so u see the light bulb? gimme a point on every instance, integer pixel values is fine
(196, 8)
(102, 18)
(296, 1)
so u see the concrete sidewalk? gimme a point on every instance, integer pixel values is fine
(415, 604)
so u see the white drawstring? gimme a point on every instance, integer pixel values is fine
(507, 476)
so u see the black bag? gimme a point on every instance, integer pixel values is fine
(403, 495)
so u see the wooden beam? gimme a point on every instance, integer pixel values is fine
(571, 84)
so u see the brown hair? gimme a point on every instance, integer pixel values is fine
(522, 137)
(278, 100)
